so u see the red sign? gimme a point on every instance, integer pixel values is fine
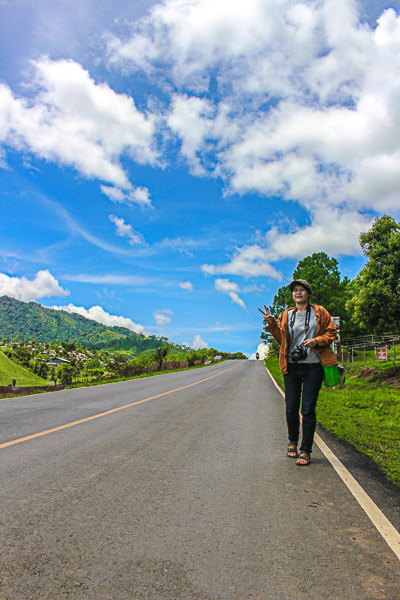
(381, 354)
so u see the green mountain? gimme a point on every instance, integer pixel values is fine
(31, 321)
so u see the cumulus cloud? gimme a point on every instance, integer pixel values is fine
(44, 285)
(229, 287)
(285, 98)
(249, 261)
(97, 313)
(125, 230)
(201, 127)
(77, 122)
(262, 350)
(307, 105)
(163, 316)
(186, 285)
(337, 240)
(198, 343)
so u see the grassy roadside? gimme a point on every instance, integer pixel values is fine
(9, 370)
(365, 412)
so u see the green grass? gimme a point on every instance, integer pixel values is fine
(365, 412)
(9, 370)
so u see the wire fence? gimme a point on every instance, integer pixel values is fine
(382, 345)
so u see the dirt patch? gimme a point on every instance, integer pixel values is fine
(388, 376)
(368, 372)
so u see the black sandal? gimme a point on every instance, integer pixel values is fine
(304, 456)
(292, 451)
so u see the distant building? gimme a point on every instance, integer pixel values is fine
(53, 362)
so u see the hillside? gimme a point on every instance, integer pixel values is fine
(9, 370)
(31, 321)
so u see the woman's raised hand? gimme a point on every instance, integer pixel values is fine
(267, 315)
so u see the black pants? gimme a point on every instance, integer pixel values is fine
(302, 384)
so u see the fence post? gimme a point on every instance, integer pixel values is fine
(394, 354)
(365, 355)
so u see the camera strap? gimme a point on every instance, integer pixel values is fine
(306, 321)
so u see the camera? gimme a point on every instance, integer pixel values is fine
(299, 353)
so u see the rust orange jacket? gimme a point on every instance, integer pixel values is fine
(326, 333)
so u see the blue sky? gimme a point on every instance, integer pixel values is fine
(165, 165)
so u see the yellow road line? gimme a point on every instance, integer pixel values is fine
(379, 520)
(107, 412)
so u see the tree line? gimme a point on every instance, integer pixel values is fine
(86, 364)
(368, 304)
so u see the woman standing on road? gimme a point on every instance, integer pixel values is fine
(304, 333)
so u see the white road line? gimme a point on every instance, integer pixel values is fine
(378, 519)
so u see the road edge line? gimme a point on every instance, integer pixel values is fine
(373, 512)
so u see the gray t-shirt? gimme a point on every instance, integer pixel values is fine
(298, 334)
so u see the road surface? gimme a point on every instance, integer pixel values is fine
(181, 491)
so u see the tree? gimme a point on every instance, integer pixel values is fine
(159, 356)
(65, 374)
(192, 357)
(374, 304)
(282, 300)
(322, 273)
(40, 368)
(119, 365)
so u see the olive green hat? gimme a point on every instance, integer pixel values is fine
(302, 282)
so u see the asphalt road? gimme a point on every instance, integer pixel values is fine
(185, 495)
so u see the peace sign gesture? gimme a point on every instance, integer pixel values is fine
(267, 315)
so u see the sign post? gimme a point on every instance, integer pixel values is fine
(381, 354)
(336, 343)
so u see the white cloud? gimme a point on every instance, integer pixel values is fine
(190, 119)
(307, 106)
(231, 289)
(333, 231)
(262, 350)
(125, 230)
(115, 194)
(249, 261)
(77, 122)
(201, 127)
(163, 316)
(44, 285)
(141, 196)
(186, 285)
(97, 313)
(198, 343)
(138, 195)
(190, 37)
(282, 97)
